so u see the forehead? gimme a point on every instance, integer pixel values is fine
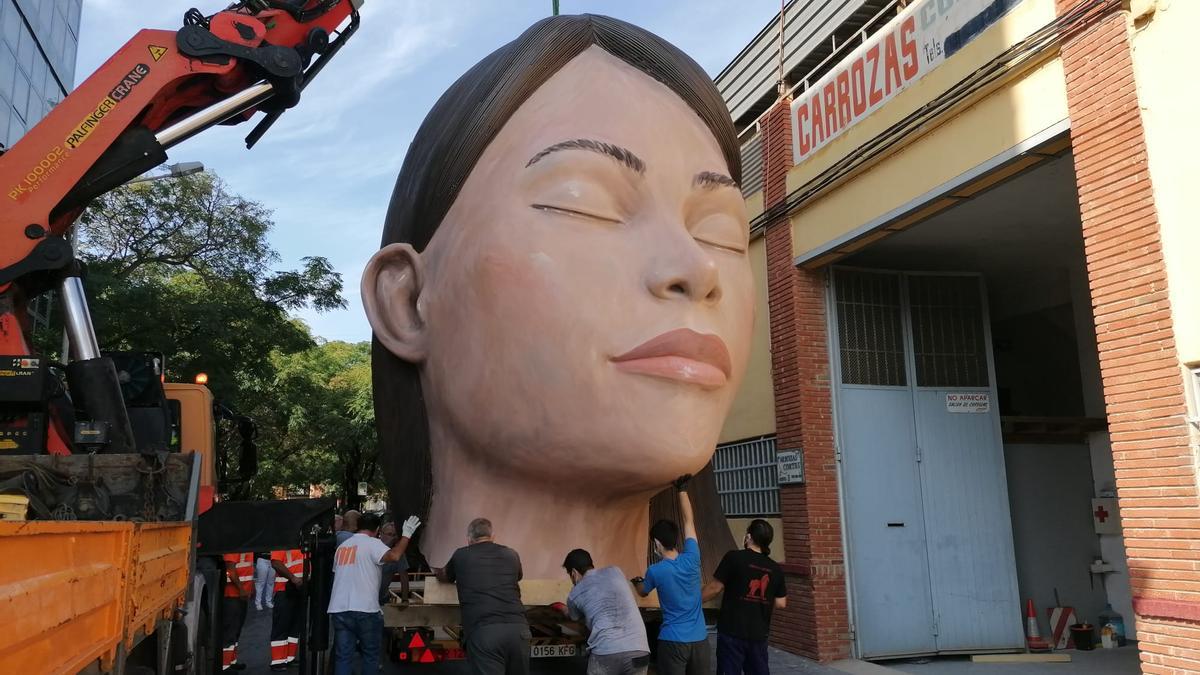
(598, 96)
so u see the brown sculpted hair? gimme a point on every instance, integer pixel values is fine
(445, 149)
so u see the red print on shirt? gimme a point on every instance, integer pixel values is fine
(758, 588)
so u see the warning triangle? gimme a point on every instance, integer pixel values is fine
(157, 52)
(416, 642)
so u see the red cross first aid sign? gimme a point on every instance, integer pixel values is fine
(1104, 516)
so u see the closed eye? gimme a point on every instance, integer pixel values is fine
(723, 247)
(572, 212)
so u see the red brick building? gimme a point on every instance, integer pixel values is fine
(972, 230)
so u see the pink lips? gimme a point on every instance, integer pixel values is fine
(683, 355)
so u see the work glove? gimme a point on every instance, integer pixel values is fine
(410, 526)
(681, 483)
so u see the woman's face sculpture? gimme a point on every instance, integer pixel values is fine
(582, 316)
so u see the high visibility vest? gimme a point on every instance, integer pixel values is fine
(294, 561)
(242, 576)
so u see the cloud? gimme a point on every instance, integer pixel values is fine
(396, 38)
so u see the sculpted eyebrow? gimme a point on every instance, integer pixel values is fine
(710, 180)
(618, 153)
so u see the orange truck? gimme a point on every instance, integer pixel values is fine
(83, 595)
(111, 525)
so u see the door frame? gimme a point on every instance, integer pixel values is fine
(834, 353)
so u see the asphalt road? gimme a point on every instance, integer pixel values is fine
(255, 649)
(255, 653)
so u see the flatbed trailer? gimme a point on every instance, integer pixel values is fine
(427, 628)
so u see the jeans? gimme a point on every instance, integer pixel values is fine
(356, 633)
(736, 656)
(264, 583)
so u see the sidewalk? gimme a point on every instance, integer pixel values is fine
(785, 663)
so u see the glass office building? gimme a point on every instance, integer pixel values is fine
(38, 42)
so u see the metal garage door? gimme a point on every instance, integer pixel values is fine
(929, 535)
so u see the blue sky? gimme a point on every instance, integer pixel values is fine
(326, 169)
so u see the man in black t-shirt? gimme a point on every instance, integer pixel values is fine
(494, 627)
(753, 586)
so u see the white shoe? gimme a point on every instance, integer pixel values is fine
(270, 605)
(258, 606)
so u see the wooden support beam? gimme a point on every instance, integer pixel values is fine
(534, 593)
(1047, 657)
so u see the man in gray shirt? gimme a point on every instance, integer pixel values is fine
(496, 633)
(603, 598)
(349, 526)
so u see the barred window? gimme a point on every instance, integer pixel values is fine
(870, 328)
(747, 477)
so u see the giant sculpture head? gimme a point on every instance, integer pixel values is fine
(562, 304)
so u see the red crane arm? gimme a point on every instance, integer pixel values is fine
(159, 89)
(148, 85)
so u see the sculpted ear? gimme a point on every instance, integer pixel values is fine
(391, 286)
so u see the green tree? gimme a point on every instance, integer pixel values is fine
(184, 267)
(326, 421)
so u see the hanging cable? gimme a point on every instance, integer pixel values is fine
(1018, 55)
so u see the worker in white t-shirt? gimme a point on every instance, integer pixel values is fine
(354, 602)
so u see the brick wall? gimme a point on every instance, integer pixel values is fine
(1143, 383)
(815, 623)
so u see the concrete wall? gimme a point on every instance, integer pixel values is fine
(1049, 494)
(1004, 119)
(1031, 103)
(1163, 40)
(1112, 546)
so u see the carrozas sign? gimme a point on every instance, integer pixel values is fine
(922, 36)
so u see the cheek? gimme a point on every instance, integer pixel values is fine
(521, 287)
(509, 317)
(739, 314)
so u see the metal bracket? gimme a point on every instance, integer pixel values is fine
(275, 61)
(283, 67)
(51, 253)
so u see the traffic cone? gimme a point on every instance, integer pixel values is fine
(1033, 636)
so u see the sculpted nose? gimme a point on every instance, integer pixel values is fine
(687, 272)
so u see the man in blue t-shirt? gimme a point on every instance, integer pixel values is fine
(683, 640)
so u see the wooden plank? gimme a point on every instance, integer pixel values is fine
(406, 616)
(1022, 658)
(534, 593)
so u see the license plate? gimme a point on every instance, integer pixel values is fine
(551, 651)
